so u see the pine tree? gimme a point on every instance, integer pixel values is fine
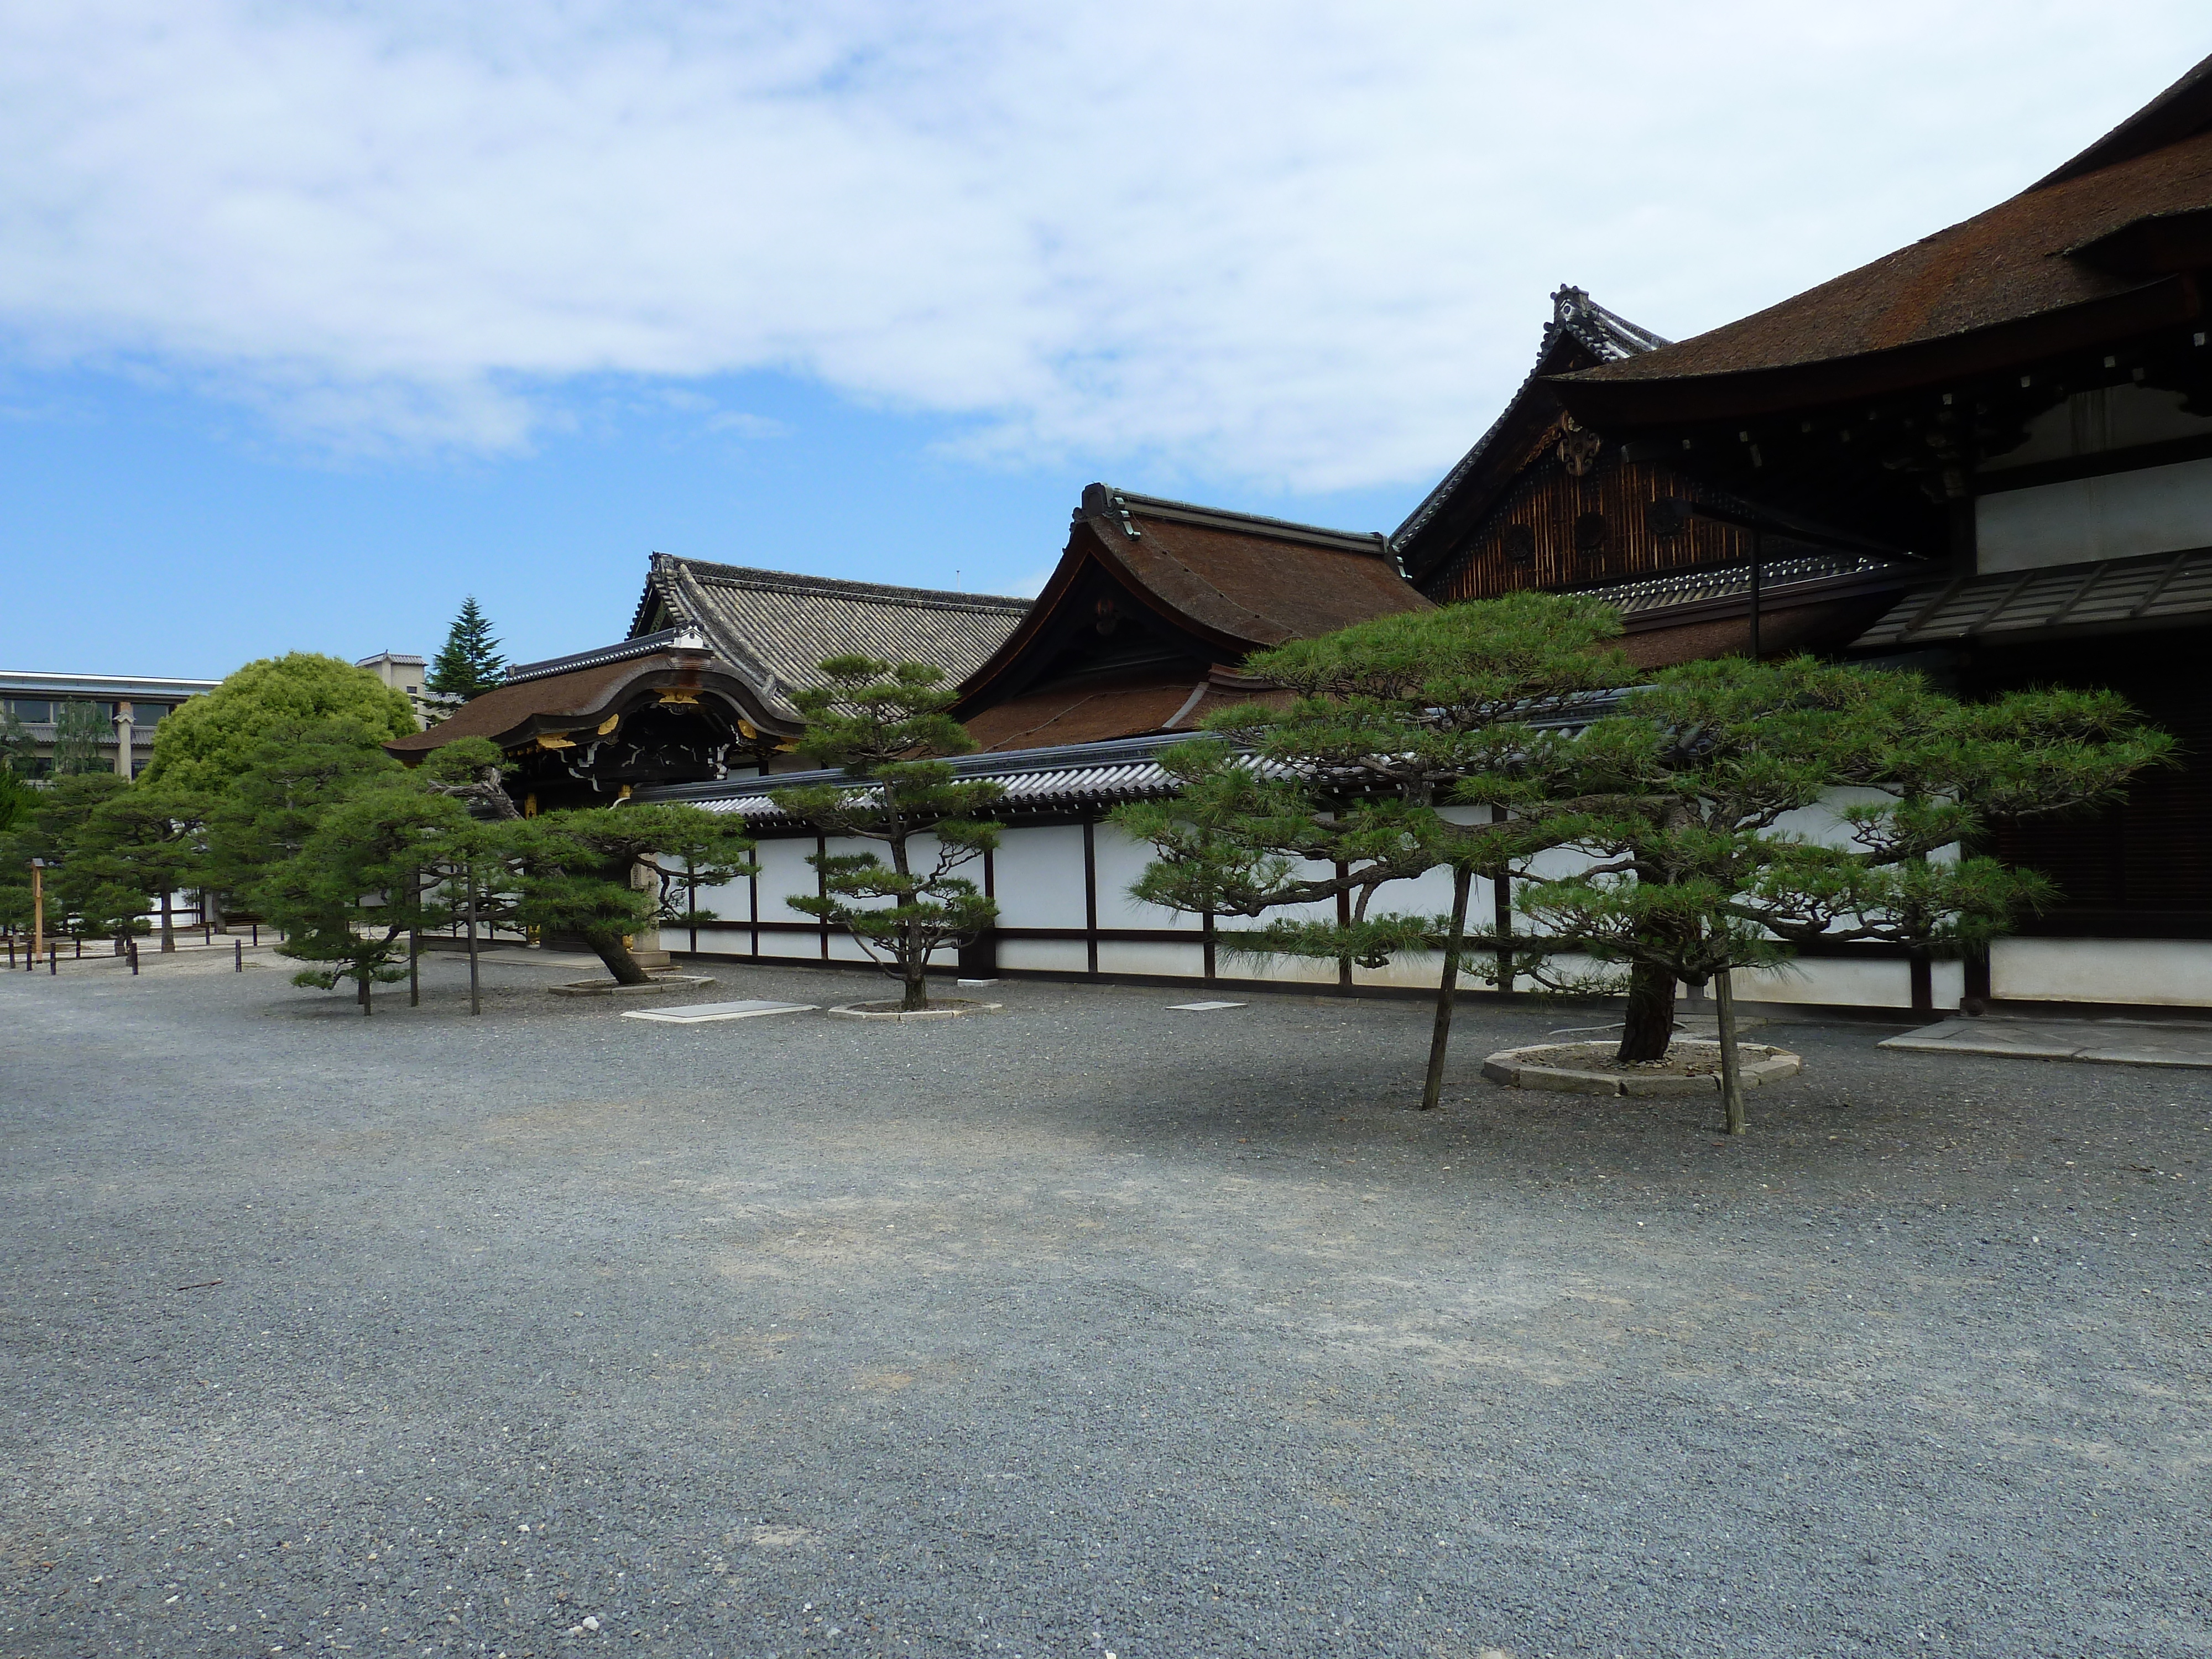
(607, 874)
(296, 772)
(470, 664)
(1697, 803)
(366, 881)
(147, 840)
(1345, 792)
(610, 875)
(77, 897)
(886, 726)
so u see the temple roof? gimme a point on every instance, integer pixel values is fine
(1581, 334)
(571, 696)
(776, 627)
(1204, 586)
(2100, 248)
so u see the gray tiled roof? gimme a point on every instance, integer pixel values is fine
(778, 628)
(2165, 587)
(1056, 778)
(1729, 581)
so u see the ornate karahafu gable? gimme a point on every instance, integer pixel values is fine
(702, 689)
(1154, 605)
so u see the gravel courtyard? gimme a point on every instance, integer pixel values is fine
(1092, 1328)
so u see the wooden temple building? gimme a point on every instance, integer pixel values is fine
(1155, 605)
(701, 690)
(1987, 456)
(2023, 403)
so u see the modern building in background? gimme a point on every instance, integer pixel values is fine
(407, 674)
(129, 708)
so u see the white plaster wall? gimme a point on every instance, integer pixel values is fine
(1037, 878)
(783, 871)
(2156, 509)
(2169, 973)
(732, 902)
(1049, 956)
(1833, 983)
(1121, 861)
(1183, 961)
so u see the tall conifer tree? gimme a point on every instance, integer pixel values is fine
(469, 664)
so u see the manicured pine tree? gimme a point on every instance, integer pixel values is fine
(605, 874)
(469, 663)
(887, 726)
(612, 874)
(1694, 799)
(1346, 789)
(147, 841)
(353, 898)
(74, 891)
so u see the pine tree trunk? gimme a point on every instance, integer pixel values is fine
(609, 949)
(1447, 988)
(1650, 1024)
(168, 931)
(1731, 1062)
(361, 989)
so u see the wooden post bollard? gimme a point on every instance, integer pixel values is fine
(238, 955)
(53, 958)
(134, 957)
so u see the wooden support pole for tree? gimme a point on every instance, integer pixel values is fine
(476, 995)
(1731, 1071)
(1447, 989)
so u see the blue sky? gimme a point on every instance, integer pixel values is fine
(315, 317)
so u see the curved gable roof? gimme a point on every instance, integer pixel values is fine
(1235, 582)
(2028, 275)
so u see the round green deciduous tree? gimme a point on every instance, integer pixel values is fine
(209, 740)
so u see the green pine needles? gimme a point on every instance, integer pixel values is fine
(888, 727)
(469, 663)
(1720, 817)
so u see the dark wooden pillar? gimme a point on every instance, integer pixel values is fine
(1091, 896)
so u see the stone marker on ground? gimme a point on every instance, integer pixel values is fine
(698, 1013)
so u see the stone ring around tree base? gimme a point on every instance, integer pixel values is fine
(607, 987)
(945, 1008)
(1573, 1068)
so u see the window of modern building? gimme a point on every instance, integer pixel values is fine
(36, 709)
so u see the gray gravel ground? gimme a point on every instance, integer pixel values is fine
(1090, 1328)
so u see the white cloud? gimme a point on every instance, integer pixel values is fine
(1305, 244)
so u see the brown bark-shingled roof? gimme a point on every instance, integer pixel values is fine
(2008, 265)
